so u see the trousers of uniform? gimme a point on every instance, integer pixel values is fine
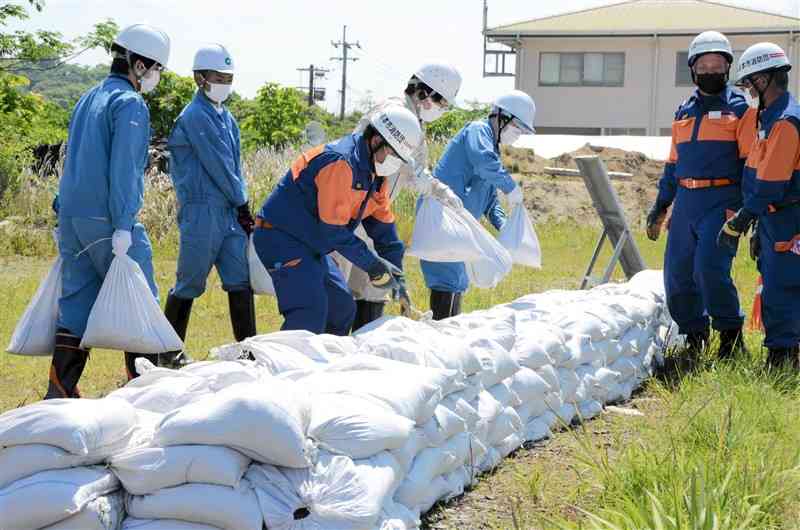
(780, 271)
(311, 290)
(697, 271)
(210, 236)
(85, 247)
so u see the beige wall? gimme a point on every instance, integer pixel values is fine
(635, 104)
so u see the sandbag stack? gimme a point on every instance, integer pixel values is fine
(292, 430)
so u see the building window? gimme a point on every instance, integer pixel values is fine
(581, 69)
(683, 76)
(624, 131)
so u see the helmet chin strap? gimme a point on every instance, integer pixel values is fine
(761, 103)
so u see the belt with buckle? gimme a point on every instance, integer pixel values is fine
(262, 223)
(698, 184)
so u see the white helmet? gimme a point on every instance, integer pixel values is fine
(710, 42)
(213, 57)
(519, 105)
(146, 41)
(400, 128)
(761, 57)
(443, 78)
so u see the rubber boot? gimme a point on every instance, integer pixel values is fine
(697, 342)
(367, 312)
(178, 311)
(780, 358)
(243, 314)
(66, 367)
(731, 343)
(130, 362)
(444, 304)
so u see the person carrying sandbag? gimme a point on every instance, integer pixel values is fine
(472, 168)
(101, 192)
(428, 94)
(214, 216)
(314, 210)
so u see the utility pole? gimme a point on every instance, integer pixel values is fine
(344, 58)
(313, 73)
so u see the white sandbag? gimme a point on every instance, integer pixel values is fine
(510, 443)
(586, 350)
(238, 416)
(491, 460)
(396, 516)
(550, 376)
(35, 333)
(537, 429)
(443, 425)
(400, 347)
(103, 513)
(276, 357)
(355, 426)
(337, 346)
(456, 483)
(504, 395)
(125, 297)
(520, 239)
(219, 506)
(441, 234)
(20, 461)
(335, 493)
(437, 489)
(602, 382)
(65, 492)
(131, 523)
(529, 386)
(532, 409)
(222, 374)
(260, 280)
(590, 409)
(538, 344)
(506, 424)
(613, 349)
(149, 469)
(499, 326)
(496, 360)
(162, 390)
(580, 323)
(553, 401)
(568, 381)
(432, 463)
(494, 262)
(566, 414)
(305, 342)
(405, 455)
(87, 427)
(487, 406)
(627, 367)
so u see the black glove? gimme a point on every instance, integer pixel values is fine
(736, 226)
(384, 275)
(245, 218)
(655, 218)
(755, 242)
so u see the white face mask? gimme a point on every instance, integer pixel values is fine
(149, 82)
(510, 134)
(431, 114)
(218, 93)
(389, 166)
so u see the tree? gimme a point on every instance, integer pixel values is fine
(454, 120)
(275, 119)
(167, 101)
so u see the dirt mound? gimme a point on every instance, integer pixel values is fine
(616, 160)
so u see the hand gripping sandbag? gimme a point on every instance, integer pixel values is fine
(442, 234)
(35, 333)
(520, 239)
(126, 315)
(260, 280)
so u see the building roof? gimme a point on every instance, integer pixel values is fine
(646, 17)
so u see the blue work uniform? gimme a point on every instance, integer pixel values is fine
(101, 190)
(472, 168)
(772, 192)
(710, 139)
(313, 211)
(205, 166)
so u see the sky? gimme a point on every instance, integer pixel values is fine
(269, 40)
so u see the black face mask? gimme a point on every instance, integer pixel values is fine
(711, 83)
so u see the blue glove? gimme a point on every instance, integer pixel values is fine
(736, 226)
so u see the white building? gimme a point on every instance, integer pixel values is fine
(621, 69)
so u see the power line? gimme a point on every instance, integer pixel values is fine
(344, 58)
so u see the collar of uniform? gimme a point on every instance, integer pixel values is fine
(488, 124)
(777, 107)
(206, 103)
(361, 154)
(114, 77)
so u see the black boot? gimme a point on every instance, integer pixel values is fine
(178, 311)
(779, 358)
(66, 366)
(444, 304)
(243, 314)
(367, 312)
(130, 362)
(731, 343)
(697, 342)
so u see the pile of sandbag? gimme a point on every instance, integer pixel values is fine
(293, 430)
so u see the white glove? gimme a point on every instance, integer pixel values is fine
(423, 182)
(121, 241)
(442, 192)
(515, 196)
